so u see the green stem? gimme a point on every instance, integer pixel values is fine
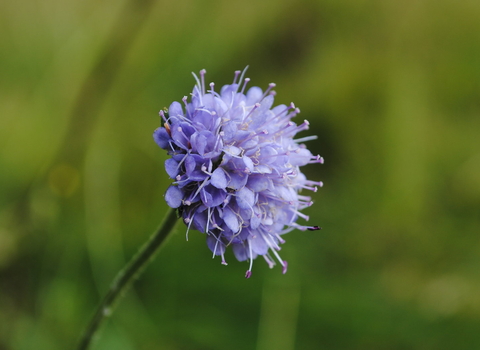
(125, 277)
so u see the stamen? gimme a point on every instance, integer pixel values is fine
(202, 77)
(303, 205)
(286, 153)
(199, 188)
(307, 138)
(293, 113)
(280, 119)
(316, 159)
(245, 82)
(285, 265)
(304, 126)
(209, 213)
(188, 221)
(180, 130)
(313, 183)
(184, 100)
(237, 73)
(243, 73)
(285, 130)
(223, 260)
(270, 87)
(241, 77)
(294, 225)
(255, 106)
(197, 80)
(282, 262)
(304, 198)
(171, 143)
(291, 106)
(162, 114)
(215, 249)
(167, 127)
(271, 242)
(249, 272)
(314, 228)
(199, 94)
(269, 260)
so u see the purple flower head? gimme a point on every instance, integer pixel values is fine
(236, 168)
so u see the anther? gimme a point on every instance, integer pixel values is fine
(245, 82)
(285, 266)
(270, 87)
(237, 73)
(162, 114)
(270, 261)
(202, 77)
(167, 127)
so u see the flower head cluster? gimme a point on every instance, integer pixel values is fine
(235, 165)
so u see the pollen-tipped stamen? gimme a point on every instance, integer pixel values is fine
(249, 271)
(270, 87)
(245, 82)
(202, 77)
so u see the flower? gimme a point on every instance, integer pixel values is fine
(236, 167)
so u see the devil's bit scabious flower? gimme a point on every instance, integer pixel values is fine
(236, 163)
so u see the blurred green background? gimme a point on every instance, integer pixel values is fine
(392, 89)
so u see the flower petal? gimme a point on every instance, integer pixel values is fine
(258, 183)
(215, 245)
(175, 109)
(231, 220)
(171, 167)
(161, 137)
(211, 196)
(245, 198)
(258, 244)
(174, 196)
(219, 179)
(240, 251)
